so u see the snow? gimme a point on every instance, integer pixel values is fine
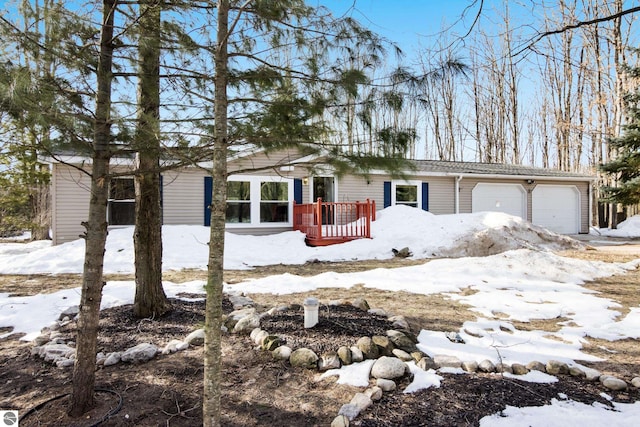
(508, 265)
(629, 228)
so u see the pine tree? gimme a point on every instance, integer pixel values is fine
(625, 167)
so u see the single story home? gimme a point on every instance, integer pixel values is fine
(264, 187)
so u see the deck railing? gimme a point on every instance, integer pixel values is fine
(326, 223)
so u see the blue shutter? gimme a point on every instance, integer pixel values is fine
(297, 191)
(387, 194)
(208, 188)
(425, 196)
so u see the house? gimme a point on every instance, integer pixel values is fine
(262, 189)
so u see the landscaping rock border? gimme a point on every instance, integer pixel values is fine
(391, 352)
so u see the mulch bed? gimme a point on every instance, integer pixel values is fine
(168, 390)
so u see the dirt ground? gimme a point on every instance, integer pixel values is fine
(258, 390)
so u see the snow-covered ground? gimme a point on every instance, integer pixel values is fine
(508, 263)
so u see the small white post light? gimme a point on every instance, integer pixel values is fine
(310, 312)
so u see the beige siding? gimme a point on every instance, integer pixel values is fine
(70, 202)
(265, 163)
(183, 197)
(441, 194)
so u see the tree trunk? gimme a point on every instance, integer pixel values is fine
(150, 299)
(82, 398)
(211, 409)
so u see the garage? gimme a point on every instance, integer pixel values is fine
(556, 207)
(507, 198)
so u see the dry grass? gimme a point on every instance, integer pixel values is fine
(434, 312)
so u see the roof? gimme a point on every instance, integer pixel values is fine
(476, 168)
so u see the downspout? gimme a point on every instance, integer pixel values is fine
(590, 196)
(457, 194)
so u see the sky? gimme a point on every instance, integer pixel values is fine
(528, 281)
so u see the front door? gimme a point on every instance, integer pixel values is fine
(324, 188)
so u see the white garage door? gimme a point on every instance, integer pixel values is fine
(556, 207)
(507, 198)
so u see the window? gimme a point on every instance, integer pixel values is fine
(238, 202)
(121, 209)
(274, 201)
(254, 201)
(407, 195)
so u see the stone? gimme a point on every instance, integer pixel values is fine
(401, 253)
(361, 303)
(236, 315)
(402, 341)
(385, 384)
(636, 382)
(344, 353)
(240, 301)
(270, 343)
(304, 358)
(368, 347)
(591, 374)
(356, 354)
(375, 393)
(51, 351)
(349, 410)
(446, 361)
(486, 366)
(384, 345)
(519, 369)
(454, 337)
(340, 421)
(388, 368)
(64, 363)
(247, 324)
(426, 363)
(282, 353)
(42, 339)
(417, 355)
(328, 361)
(615, 384)
(470, 366)
(503, 368)
(362, 401)
(536, 366)
(100, 358)
(174, 346)
(195, 338)
(377, 312)
(253, 334)
(112, 358)
(260, 337)
(399, 322)
(555, 367)
(139, 353)
(70, 312)
(402, 355)
(575, 371)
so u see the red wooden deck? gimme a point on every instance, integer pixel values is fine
(327, 223)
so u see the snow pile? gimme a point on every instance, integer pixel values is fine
(186, 246)
(629, 228)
